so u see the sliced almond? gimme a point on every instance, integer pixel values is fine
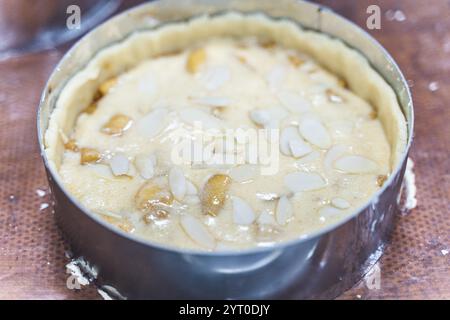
(214, 194)
(71, 145)
(277, 114)
(119, 164)
(314, 132)
(294, 102)
(145, 164)
(295, 60)
(329, 211)
(284, 211)
(308, 160)
(89, 155)
(107, 85)
(276, 76)
(195, 59)
(216, 77)
(340, 203)
(355, 165)
(192, 200)
(334, 153)
(304, 181)
(333, 96)
(153, 196)
(260, 116)
(288, 134)
(152, 123)
(102, 171)
(191, 189)
(213, 101)
(197, 231)
(117, 125)
(177, 183)
(299, 148)
(243, 214)
(193, 116)
(244, 173)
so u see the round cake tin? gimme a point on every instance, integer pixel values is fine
(317, 266)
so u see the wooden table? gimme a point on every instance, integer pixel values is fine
(416, 264)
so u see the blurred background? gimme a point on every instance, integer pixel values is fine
(35, 34)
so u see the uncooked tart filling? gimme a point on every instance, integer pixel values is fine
(116, 123)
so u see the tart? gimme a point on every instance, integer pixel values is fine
(225, 132)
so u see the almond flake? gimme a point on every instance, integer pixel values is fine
(334, 153)
(288, 134)
(304, 181)
(41, 193)
(193, 115)
(284, 211)
(355, 164)
(214, 194)
(260, 116)
(177, 183)
(145, 164)
(117, 125)
(340, 203)
(244, 173)
(242, 212)
(329, 212)
(314, 132)
(119, 164)
(213, 101)
(195, 59)
(191, 199)
(153, 123)
(197, 231)
(308, 159)
(293, 102)
(215, 77)
(299, 148)
(191, 189)
(276, 76)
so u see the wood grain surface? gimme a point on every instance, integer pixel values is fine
(416, 264)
